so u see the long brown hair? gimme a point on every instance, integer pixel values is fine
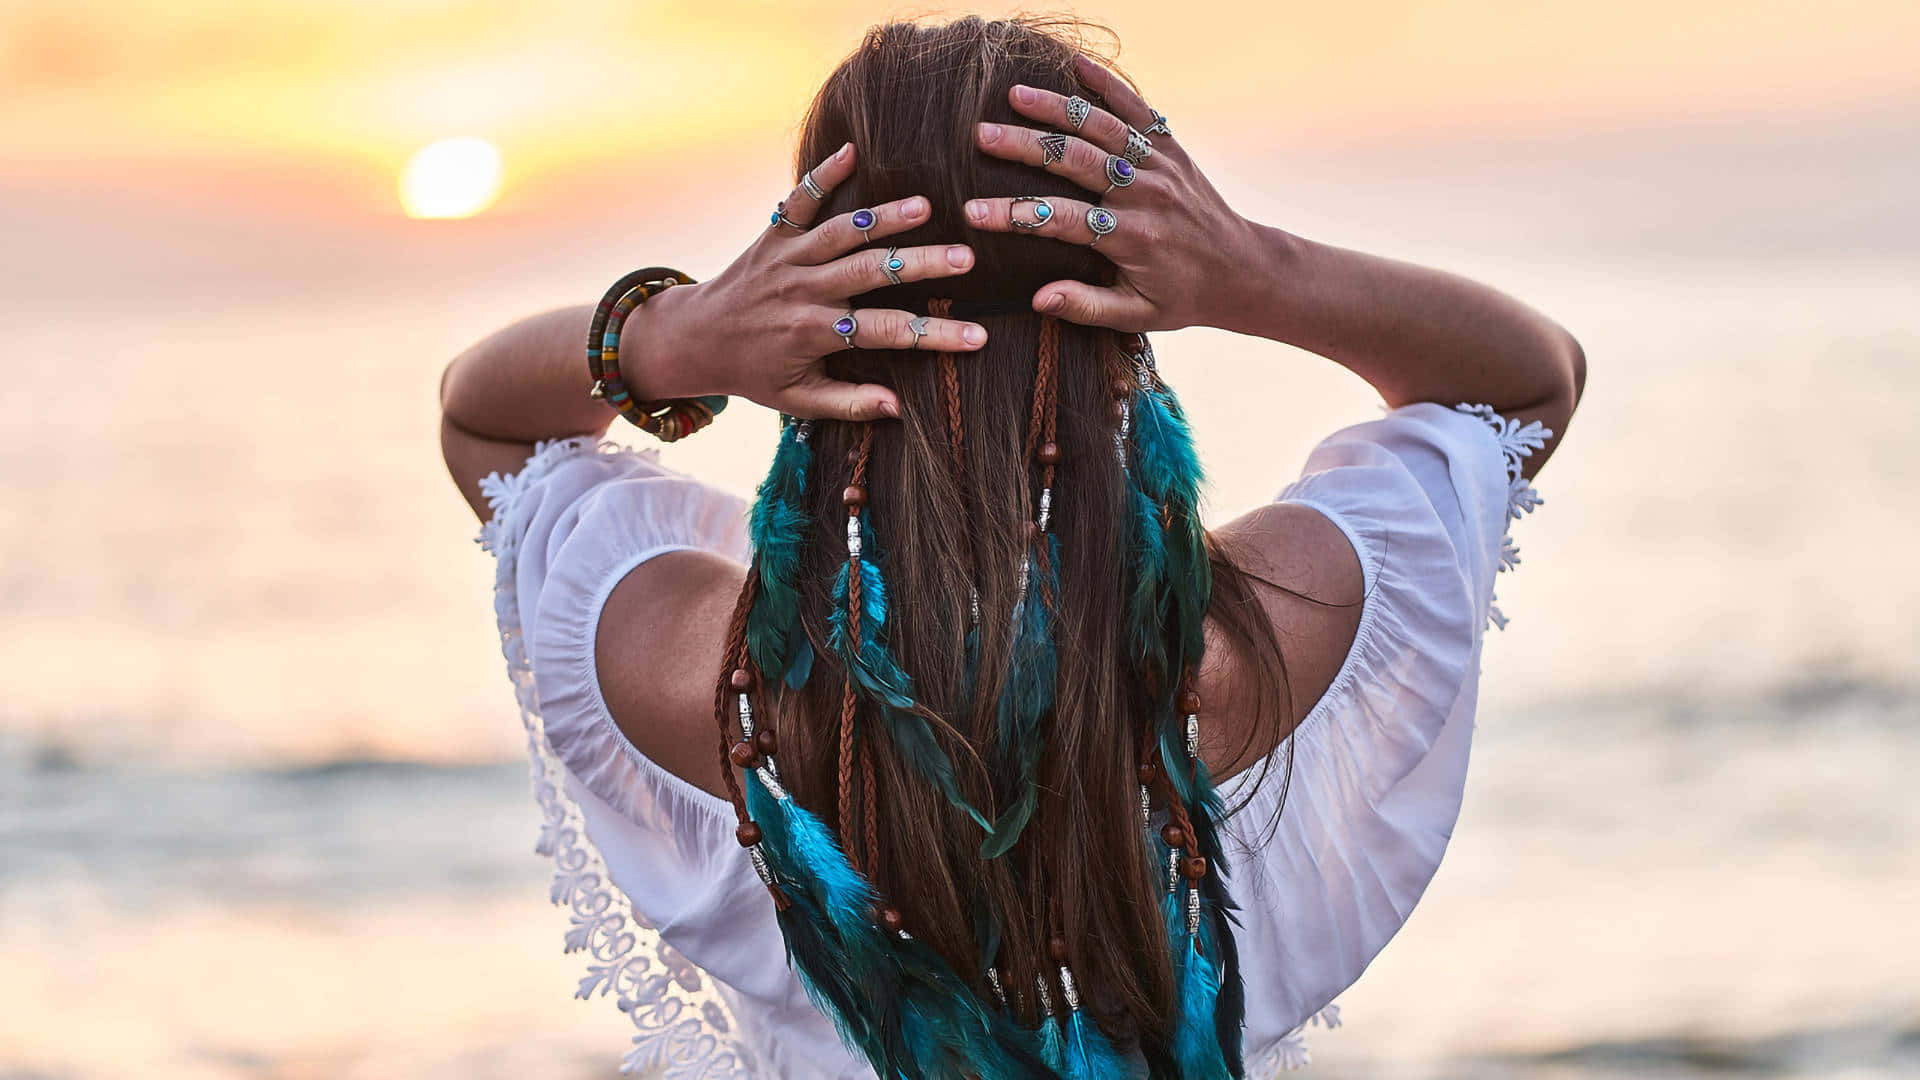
(952, 500)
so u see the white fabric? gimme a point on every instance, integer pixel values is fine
(683, 934)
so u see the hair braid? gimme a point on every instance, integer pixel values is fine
(725, 719)
(849, 700)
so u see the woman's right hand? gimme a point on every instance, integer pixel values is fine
(762, 328)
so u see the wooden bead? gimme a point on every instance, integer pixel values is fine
(1189, 703)
(853, 456)
(748, 834)
(1193, 867)
(743, 755)
(892, 920)
(766, 741)
(1057, 948)
(1121, 388)
(1174, 835)
(855, 495)
(741, 680)
(1148, 772)
(1048, 454)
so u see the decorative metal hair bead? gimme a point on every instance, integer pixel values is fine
(853, 536)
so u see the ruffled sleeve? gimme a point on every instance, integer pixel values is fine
(1424, 496)
(659, 897)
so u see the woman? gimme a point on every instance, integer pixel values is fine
(1019, 771)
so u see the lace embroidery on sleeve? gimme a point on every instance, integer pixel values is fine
(1291, 1052)
(683, 1025)
(1516, 441)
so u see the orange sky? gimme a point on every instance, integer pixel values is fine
(347, 88)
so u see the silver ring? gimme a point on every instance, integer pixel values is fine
(892, 265)
(1138, 149)
(780, 217)
(917, 324)
(812, 189)
(1077, 111)
(846, 326)
(864, 219)
(1100, 221)
(1042, 211)
(1053, 147)
(1120, 172)
(1159, 125)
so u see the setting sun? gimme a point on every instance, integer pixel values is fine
(451, 178)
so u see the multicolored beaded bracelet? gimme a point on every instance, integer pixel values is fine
(666, 420)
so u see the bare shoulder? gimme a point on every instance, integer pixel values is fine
(1307, 579)
(657, 652)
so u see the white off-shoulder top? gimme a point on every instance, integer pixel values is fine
(678, 931)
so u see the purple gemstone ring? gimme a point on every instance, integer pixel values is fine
(1119, 172)
(1100, 221)
(845, 326)
(863, 220)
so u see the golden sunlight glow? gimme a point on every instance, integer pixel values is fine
(451, 178)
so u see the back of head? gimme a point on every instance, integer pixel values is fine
(975, 630)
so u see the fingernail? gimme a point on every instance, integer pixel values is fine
(1024, 95)
(916, 206)
(1054, 302)
(845, 149)
(976, 210)
(974, 335)
(890, 409)
(959, 257)
(989, 132)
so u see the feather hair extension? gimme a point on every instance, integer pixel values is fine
(777, 531)
(1026, 699)
(1196, 1043)
(879, 677)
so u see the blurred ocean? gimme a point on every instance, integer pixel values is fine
(260, 814)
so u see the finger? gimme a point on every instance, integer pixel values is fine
(1125, 102)
(1091, 305)
(839, 234)
(864, 271)
(1063, 219)
(1063, 155)
(821, 398)
(889, 328)
(1105, 130)
(800, 206)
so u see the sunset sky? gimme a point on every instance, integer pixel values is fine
(340, 92)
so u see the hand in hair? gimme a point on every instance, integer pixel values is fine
(762, 328)
(1175, 238)
(1184, 258)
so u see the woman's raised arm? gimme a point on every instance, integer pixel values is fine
(759, 330)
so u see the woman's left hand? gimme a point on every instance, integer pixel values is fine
(1173, 238)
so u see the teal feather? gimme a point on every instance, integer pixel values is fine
(777, 531)
(1053, 1043)
(1196, 1044)
(1089, 1055)
(1026, 699)
(879, 677)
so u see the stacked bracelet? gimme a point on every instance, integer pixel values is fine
(666, 420)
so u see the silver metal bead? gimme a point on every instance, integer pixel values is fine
(772, 782)
(1046, 507)
(1046, 998)
(1173, 870)
(853, 536)
(1146, 809)
(803, 430)
(1068, 990)
(746, 717)
(1193, 736)
(759, 860)
(999, 992)
(1193, 911)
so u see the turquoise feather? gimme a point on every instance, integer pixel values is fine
(1089, 1055)
(777, 531)
(1053, 1043)
(879, 677)
(1025, 700)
